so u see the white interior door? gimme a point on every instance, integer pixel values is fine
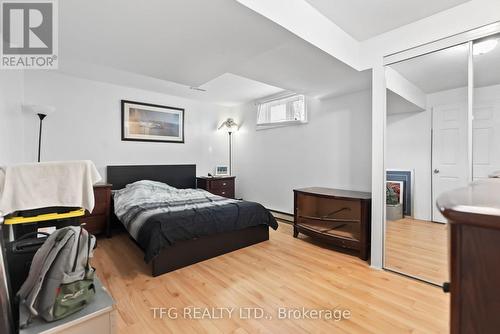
(449, 152)
(486, 139)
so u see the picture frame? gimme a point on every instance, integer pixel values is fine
(221, 170)
(407, 177)
(398, 188)
(151, 122)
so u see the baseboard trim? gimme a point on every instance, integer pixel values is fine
(282, 215)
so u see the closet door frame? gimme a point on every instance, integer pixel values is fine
(465, 38)
(444, 43)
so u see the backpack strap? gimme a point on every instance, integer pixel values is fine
(89, 244)
(77, 249)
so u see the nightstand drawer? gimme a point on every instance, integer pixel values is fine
(222, 184)
(229, 193)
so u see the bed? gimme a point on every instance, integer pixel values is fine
(176, 224)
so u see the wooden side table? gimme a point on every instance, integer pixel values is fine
(97, 221)
(222, 186)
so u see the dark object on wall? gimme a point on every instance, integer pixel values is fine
(222, 186)
(404, 176)
(474, 216)
(97, 221)
(152, 122)
(184, 253)
(340, 217)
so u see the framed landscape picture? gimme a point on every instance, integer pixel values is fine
(152, 122)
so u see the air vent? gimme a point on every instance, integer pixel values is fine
(198, 89)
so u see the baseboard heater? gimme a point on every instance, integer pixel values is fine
(288, 217)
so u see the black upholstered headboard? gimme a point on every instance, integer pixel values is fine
(179, 176)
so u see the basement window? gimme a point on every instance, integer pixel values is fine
(282, 111)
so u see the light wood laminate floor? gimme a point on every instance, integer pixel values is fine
(281, 272)
(417, 248)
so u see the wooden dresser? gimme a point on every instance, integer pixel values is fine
(97, 221)
(473, 214)
(222, 186)
(341, 217)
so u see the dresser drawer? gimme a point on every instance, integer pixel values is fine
(309, 205)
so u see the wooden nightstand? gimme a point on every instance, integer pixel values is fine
(97, 221)
(222, 186)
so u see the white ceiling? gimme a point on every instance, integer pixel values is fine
(363, 19)
(241, 89)
(447, 69)
(219, 45)
(438, 71)
(298, 66)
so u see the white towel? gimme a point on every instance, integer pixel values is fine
(45, 184)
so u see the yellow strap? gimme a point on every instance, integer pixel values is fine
(44, 217)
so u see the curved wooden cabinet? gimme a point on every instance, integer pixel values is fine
(340, 217)
(473, 214)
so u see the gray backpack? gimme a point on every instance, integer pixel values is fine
(60, 280)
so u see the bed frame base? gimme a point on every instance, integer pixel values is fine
(185, 253)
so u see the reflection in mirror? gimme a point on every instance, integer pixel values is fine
(486, 110)
(426, 154)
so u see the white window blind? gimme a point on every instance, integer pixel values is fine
(282, 111)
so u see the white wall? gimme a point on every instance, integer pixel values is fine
(332, 150)
(11, 117)
(86, 125)
(409, 148)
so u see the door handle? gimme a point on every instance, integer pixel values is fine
(436, 171)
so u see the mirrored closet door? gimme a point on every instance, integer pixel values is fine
(426, 155)
(486, 110)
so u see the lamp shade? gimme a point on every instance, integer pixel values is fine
(229, 125)
(38, 109)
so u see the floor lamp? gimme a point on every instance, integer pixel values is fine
(230, 126)
(41, 112)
